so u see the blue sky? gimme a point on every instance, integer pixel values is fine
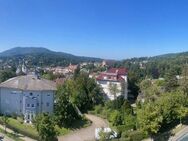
(114, 29)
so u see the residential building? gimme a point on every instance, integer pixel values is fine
(27, 95)
(114, 76)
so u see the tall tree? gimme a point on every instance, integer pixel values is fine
(114, 90)
(45, 126)
(149, 118)
(171, 80)
(184, 80)
(64, 109)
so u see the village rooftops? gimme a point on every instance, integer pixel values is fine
(29, 82)
(118, 71)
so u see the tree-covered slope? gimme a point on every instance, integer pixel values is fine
(39, 56)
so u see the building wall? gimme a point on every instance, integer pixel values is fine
(16, 101)
(11, 101)
(105, 85)
(48, 101)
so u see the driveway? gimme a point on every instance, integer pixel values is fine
(86, 134)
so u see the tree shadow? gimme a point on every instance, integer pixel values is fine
(82, 123)
(163, 137)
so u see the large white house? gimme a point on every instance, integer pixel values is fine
(114, 76)
(27, 95)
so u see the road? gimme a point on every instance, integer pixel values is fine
(179, 134)
(88, 133)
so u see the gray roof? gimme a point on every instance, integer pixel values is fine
(29, 82)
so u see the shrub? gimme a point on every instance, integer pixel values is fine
(123, 128)
(136, 136)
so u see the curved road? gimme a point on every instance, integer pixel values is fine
(88, 133)
(179, 134)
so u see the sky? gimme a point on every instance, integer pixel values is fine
(113, 29)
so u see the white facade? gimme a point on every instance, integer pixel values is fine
(27, 96)
(26, 103)
(105, 84)
(117, 77)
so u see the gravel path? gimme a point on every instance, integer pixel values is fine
(86, 134)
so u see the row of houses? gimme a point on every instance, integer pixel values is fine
(62, 70)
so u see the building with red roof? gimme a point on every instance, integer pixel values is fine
(114, 76)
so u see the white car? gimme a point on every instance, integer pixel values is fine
(105, 130)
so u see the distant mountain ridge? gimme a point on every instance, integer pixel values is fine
(40, 56)
(172, 55)
(29, 50)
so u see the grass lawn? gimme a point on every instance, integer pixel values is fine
(25, 129)
(11, 135)
(30, 131)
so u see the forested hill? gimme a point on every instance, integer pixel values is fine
(39, 56)
(171, 55)
(157, 66)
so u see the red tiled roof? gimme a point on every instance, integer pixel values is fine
(113, 74)
(119, 71)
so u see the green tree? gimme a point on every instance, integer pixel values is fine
(171, 81)
(149, 118)
(64, 110)
(182, 113)
(45, 126)
(114, 90)
(184, 80)
(6, 74)
(85, 92)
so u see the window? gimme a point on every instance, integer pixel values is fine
(28, 105)
(31, 94)
(33, 105)
(47, 104)
(37, 104)
(48, 95)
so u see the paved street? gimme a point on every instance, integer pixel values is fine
(179, 134)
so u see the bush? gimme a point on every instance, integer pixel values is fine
(123, 128)
(14, 115)
(136, 136)
(133, 135)
(116, 118)
(98, 109)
